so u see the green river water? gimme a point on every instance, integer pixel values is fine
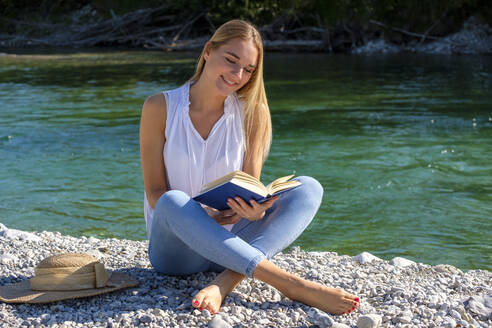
(402, 145)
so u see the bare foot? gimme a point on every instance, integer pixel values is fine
(330, 300)
(210, 298)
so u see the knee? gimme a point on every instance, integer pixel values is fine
(163, 266)
(312, 189)
(176, 263)
(171, 199)
(168, 207)
(311, 185)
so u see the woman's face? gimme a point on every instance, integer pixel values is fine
(230, 66)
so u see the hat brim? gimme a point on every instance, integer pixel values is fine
(22, 293)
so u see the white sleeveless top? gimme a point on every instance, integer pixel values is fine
(189, 160)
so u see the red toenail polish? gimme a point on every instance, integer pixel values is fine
(356, 299)
(197, 303)
(201, 309)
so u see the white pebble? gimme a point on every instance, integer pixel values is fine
(365, 257)
(8, 258)
(402, 262)
(13, 234)
(319, 318)
(339, 325)
(218, 322)
(369, 321)
(405, 319)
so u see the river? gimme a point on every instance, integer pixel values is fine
(400, 143)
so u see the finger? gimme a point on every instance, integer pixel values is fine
(254, 204)
(248, 210)
(236, 207)
(269, 203)
(242, 203)
(224, 220)
(235, 218)
(228, 212)
(259, 209)
(231, 219)
(232, 204)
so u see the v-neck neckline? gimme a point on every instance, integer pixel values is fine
(216, 124)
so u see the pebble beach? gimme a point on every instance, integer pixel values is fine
(396, 293)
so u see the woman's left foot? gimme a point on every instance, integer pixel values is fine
(209, 298)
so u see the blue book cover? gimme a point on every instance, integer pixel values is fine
(236, 184)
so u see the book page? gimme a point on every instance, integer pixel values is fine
(256, 188)
(284, 185)
(278, 181)
(218, 181)
(240, 178)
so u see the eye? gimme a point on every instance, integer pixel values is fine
(249, 71)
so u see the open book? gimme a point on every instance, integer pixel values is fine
(238, 183)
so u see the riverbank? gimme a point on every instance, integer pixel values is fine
(161, 28)
(397, 293)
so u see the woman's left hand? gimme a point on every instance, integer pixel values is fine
(251, 212)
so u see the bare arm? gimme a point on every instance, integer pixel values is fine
(152, 140)
(253, 163)
(251, 210)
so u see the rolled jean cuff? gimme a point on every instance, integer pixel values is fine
(252, 265)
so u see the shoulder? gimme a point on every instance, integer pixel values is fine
(155, 103)
(154, 111)
(155, 106)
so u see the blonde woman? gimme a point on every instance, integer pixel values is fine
(218, 122)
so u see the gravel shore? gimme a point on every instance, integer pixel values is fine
(396, 293)
(473, 39)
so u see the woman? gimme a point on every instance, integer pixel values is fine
(216, 123)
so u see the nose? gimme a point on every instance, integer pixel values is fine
(238, 73)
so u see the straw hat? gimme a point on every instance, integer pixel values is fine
(66, 276)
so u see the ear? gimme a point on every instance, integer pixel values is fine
(206, 53)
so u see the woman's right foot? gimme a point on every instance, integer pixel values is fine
(330, 300)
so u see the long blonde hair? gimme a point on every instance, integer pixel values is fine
(257, 123)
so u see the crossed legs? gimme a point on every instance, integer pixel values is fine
(185, 240)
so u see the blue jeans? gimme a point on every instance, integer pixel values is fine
(184, 239)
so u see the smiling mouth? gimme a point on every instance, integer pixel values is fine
(229, 83)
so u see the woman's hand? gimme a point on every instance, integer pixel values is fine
(251, 212)
(222, 217)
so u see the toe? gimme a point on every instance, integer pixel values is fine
(348, 301)
(197, 300)
(347, 305)
(205, 305)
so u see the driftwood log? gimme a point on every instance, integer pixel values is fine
(162, 28)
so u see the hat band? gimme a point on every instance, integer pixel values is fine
(70, 278)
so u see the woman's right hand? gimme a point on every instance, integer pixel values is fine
(222, 217)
